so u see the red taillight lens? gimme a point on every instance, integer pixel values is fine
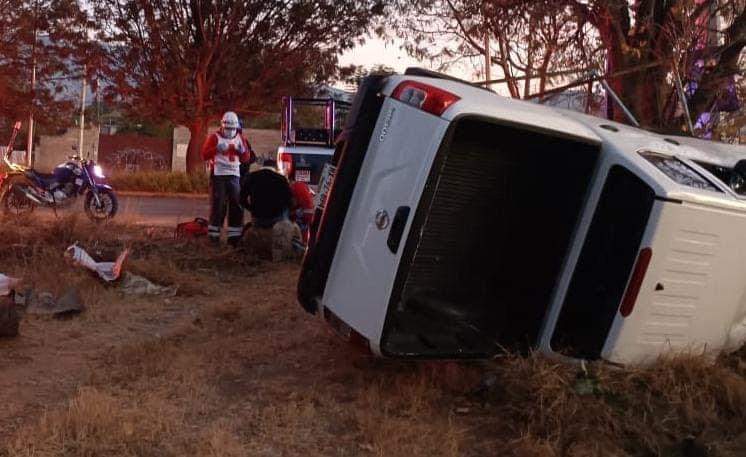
(633, 288)
(425, 97)
(286, 164)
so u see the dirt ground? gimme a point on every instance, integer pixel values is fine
(232, 366)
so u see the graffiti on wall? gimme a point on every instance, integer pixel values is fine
(137, 160)
(132, 153)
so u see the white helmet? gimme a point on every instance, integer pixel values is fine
(229, 124)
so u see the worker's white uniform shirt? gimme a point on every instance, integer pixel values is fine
(228, 162)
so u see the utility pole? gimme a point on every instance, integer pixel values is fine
(82, 111)
(30, 140)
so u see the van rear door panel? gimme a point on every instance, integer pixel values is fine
(397, 163)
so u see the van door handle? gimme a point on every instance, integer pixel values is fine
(397, 228)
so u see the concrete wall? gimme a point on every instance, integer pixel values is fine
(53, 150)
(264, 142)
(179, 147)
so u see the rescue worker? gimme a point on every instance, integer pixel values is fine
(226, 150)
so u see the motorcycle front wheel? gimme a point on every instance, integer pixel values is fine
(105, 209)
(13, 202)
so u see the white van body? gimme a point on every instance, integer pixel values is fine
(399, 240)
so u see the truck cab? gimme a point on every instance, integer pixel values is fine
(309, 128)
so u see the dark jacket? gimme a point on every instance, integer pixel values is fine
(266, 194)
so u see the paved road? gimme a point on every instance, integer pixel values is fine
(147, 210)
(166, 211)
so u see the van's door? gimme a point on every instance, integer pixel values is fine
(387, 192)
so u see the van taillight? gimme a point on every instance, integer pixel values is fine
(425, 97)
(286, 164)
(633, 288)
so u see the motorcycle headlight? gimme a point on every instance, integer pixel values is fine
(98, 171)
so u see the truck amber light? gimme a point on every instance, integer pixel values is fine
(425, 97)
(633, 288)
(286, 164)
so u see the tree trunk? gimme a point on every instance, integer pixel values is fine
(198, 131)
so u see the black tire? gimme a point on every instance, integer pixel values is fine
(108, 209)
(13, 202)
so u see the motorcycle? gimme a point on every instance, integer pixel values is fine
(23, 189)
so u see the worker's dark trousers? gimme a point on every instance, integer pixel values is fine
(225, 195)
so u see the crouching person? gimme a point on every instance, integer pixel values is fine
(268, 197)
(226, 150)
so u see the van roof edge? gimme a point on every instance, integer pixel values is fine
(418, 71)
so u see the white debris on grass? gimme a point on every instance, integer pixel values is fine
(108, 271)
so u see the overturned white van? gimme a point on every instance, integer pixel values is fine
(459, 223)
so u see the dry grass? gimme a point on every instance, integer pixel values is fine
(233, 367)
(160, 181)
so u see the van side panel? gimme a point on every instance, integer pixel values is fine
(693, 292)
(399, 157)
(604, 266)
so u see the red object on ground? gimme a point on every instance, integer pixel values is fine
(192, 229)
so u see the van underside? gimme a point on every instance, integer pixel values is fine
(487, 242)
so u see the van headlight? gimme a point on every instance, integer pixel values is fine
(678, 171)
(98, 171)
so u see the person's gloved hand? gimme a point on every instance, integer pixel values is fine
(222, 147)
